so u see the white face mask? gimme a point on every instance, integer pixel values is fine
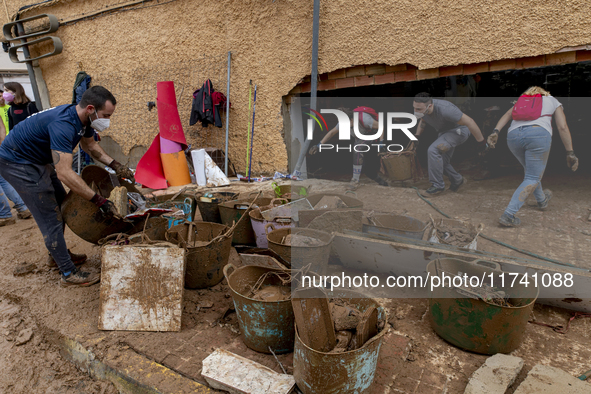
(419, 115)
(100, 124)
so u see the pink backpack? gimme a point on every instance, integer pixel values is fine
(368, 110)
(528, 107)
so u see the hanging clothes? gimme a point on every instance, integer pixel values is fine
(206, 107)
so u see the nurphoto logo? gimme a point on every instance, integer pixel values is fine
(362, 134)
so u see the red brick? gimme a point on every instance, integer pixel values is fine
(561, 58)
(323, 77)
(530, 62)
(337, 74)
(356, 71)
(451, 70)
(398, 67)
(408, 75)
(382, 79)
(499, 65)
(475, 68)
(429, 73)
(327, 85)
(583, 56)
(363, 81)
(375, 69)
(296, 90)
(306, 79)
(411, 67)
(345, 83)
(306, 87)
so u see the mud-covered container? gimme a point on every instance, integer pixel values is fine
(471, 323)
(232, 211)
(81, 215)
(207, 252)
(350, 372)
(264, 324)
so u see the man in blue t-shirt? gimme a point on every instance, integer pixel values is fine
(36, 157)
(454, 128)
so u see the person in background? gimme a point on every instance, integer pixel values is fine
(368, 121)
(529, 141)
(7, 192)
(4, 115)
(454, 128)
(21, 106)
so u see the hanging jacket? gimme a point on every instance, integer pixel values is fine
(80, 85)
(206, 106)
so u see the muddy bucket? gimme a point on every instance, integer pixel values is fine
(80, 214)
(471, 323)
(264, 324)
(210, 211)
(398, 166)
(390, 224)
(206, 260)
(299, 256)
(340, 373)
(259, 225)
(232, 211)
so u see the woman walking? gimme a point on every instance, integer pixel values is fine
(529, 138)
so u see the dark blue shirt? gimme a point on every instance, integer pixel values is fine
(32, 140)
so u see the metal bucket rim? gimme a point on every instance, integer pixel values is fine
(252, 299)
(221, 239)
(369, 341)
(302, 229)
(512, 308)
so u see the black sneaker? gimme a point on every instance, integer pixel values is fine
(433, 191)
(509, 221)
(455, 188)
(79, 278)
(544, 204)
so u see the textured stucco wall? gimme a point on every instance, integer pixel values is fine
(271, 44)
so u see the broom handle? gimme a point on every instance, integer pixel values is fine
(248, 130)
(254, 105)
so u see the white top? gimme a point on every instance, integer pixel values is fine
(549, 105)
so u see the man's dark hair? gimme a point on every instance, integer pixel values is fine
(97, 96)
(424, 98)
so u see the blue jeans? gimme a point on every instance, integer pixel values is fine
(44, 194)
(531, 146)
(440, 153)
(7, 192)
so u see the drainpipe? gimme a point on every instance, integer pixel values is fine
(313, 80)
(30, 69)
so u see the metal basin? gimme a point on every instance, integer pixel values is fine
(80, 214)
(473, 324)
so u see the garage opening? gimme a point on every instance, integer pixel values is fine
(485, 97)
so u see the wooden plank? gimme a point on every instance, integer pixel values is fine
(368, 326)
(141, 288)
(313, 319)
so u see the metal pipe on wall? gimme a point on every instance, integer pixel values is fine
(38, 104)
(227, 112)
(314, 81)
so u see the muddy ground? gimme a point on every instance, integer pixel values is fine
(36, 302)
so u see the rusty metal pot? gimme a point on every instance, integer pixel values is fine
(473, 324)
(264, 324)
(299, 256)
(80, 214)
(232, 211)
(350, 372)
